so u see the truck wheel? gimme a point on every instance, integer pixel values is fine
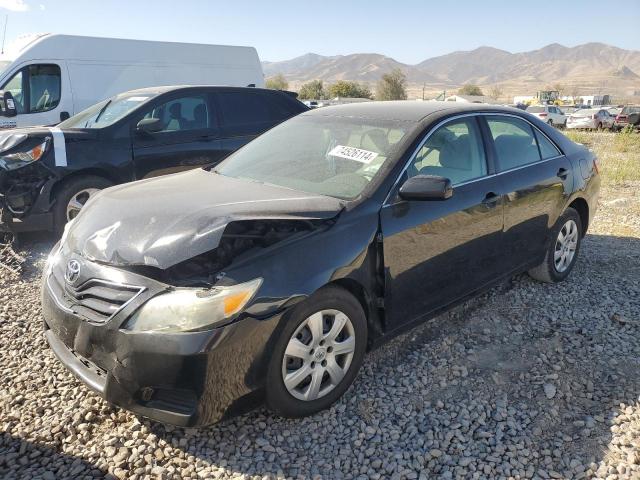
(317, 354)
(72, 197)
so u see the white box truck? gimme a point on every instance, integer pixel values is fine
(51, 77)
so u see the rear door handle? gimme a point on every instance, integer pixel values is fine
(490, 200)
(562, 173)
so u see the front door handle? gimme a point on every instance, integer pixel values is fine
(562, 173)
(490, 200)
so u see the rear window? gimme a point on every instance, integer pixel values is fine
(628, 110)
(586, 112)
(536, 109)
(239, 109)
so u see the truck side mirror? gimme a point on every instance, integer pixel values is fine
(7, 104)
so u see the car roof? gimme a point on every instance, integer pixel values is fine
(405, 110)
(175, 88)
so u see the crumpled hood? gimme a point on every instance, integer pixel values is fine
(163, 221)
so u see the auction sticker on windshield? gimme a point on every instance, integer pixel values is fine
(352, 153)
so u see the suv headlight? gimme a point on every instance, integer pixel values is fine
(192, 309)
(19, 159)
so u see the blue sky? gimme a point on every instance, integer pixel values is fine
(409, 31)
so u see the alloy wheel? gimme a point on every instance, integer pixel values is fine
(78, 200)
(318, 355)
(566, 245)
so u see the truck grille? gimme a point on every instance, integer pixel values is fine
(96, 300)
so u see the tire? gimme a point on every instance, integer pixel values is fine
(70, 190)
(288, 402)
(549, 270)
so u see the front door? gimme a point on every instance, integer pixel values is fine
(535, 181)
(436, 252)
(189, 137)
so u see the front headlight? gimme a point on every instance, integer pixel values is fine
(191, 309)
(19, 159)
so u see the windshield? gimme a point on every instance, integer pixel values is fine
(331, 156)
(106, 112)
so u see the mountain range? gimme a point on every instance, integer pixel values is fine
(590, 66)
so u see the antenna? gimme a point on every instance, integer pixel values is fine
(4, 34)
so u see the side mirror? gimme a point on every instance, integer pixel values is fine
(7, 105)
(149, 125)
(426, 187)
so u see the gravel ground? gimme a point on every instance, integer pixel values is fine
(528, 381)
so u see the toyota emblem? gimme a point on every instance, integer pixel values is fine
(73, 271)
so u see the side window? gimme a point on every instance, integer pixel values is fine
(240, 108)
(15, 85)
(514, 141)
(35, 88)
(547, 149)
(453, 151)
(183, 114)
(44, 87)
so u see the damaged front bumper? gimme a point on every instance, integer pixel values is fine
(185, 379)
(25, 203)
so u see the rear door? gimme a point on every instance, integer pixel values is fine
(247, 113)
(535, 179)
(436, 252)
(190, 136)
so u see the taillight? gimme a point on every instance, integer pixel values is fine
(593, 116)
(542, 114)
(621, 117)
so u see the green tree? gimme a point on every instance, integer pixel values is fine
(470, 89)
(277, 82)
(344, 88)
(392, 86)
(313, 90)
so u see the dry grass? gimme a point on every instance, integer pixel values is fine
(618, 154)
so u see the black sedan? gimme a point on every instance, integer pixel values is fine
(190, 297)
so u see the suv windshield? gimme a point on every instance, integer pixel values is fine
(331, 156)
(107, 112)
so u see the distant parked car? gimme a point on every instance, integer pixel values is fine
(549, 114)
(590, 118)
(48, 174)
(622, 119)
(613, 111)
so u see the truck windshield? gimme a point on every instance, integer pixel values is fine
(3, 65)
(106, 112)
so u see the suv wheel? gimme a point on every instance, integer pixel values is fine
(72, 197)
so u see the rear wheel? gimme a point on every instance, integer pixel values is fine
(73, 196)
(318, 353)
(562, 251)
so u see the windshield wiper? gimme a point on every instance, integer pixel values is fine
(99, 113)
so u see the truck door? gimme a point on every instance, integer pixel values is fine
(42, 95)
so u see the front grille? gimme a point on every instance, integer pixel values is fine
(96, 300)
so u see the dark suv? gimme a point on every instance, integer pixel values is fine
(48, 174)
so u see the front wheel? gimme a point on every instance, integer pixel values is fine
(318, 353)
(70, 199)
(562, 251)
